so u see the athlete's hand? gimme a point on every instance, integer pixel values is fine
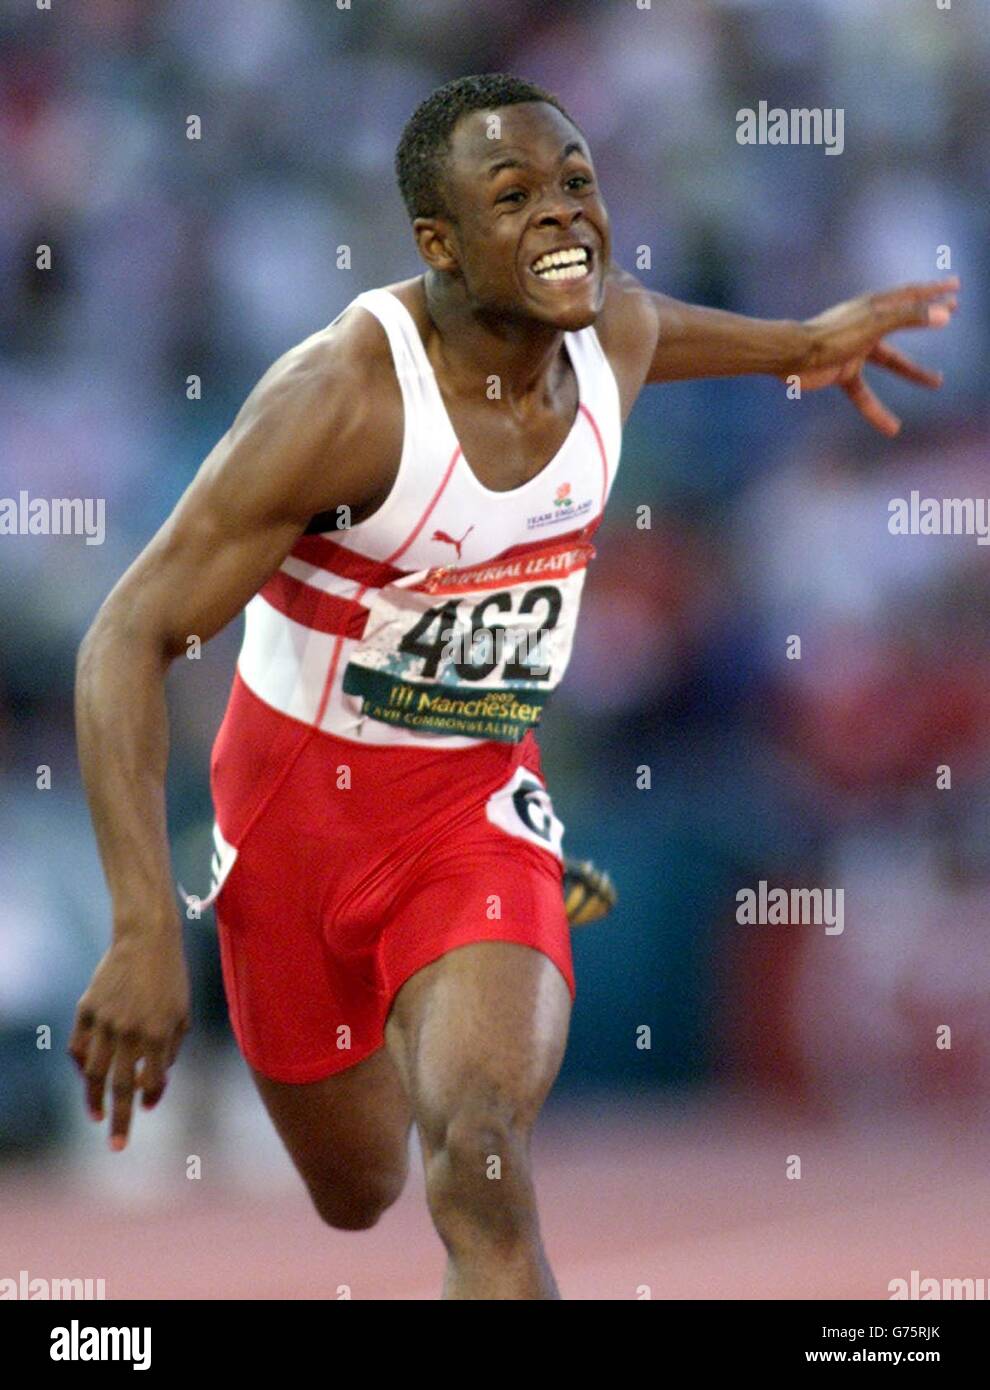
(849, 335)
(129, 1026)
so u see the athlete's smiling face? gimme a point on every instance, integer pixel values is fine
(529, 235)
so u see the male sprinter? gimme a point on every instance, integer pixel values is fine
(387, 881)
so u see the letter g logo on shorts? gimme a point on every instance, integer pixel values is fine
(523, 808)
(532, 803)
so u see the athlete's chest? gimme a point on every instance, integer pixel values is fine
(470, 523)
(504, 449)
(477, 478)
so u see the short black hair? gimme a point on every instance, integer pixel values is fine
(425, 141)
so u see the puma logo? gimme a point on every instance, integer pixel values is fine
(449, 540)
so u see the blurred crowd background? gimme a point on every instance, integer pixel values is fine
(174, 257)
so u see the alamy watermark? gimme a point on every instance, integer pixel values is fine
(490, 647)
(25, 515)
(78, 1342)
(940, 516)
(27, 1286)
(802, 125)
(794, 907)
(928, 1288)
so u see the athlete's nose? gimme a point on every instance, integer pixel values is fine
(559, 213)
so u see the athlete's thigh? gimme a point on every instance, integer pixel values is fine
(483, 1027)
(356, 1121)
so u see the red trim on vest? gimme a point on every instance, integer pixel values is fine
(330, 555)
(338, 617)
(601, 450)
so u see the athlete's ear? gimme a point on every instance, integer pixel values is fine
(436, 245)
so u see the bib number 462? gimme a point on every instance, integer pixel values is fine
(484, 644)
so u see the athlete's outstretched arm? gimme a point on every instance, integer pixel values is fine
(830, 349)
(299, 445)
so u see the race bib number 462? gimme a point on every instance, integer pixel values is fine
(473, 651)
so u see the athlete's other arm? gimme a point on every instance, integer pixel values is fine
(684, 341)
(318, 431)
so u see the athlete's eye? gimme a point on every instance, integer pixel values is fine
(511, 196)
(581, 180)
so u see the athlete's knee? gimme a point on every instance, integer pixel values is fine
(479, 1139)
(355, 1203)
(477, 1172)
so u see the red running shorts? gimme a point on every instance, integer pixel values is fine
(347, 868)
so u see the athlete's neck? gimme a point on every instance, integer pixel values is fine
(469, 347)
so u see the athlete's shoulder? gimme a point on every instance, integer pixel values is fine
(627, 328)
(349, 349)
(330, 409)
(354, 349)
(628, 314)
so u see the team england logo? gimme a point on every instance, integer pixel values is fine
(564, 509)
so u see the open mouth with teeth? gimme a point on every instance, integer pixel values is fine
(574, 263)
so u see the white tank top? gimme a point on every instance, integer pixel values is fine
(336, 638)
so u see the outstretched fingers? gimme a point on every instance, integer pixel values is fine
(928, 305)
(871, 407)
(883, 355)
